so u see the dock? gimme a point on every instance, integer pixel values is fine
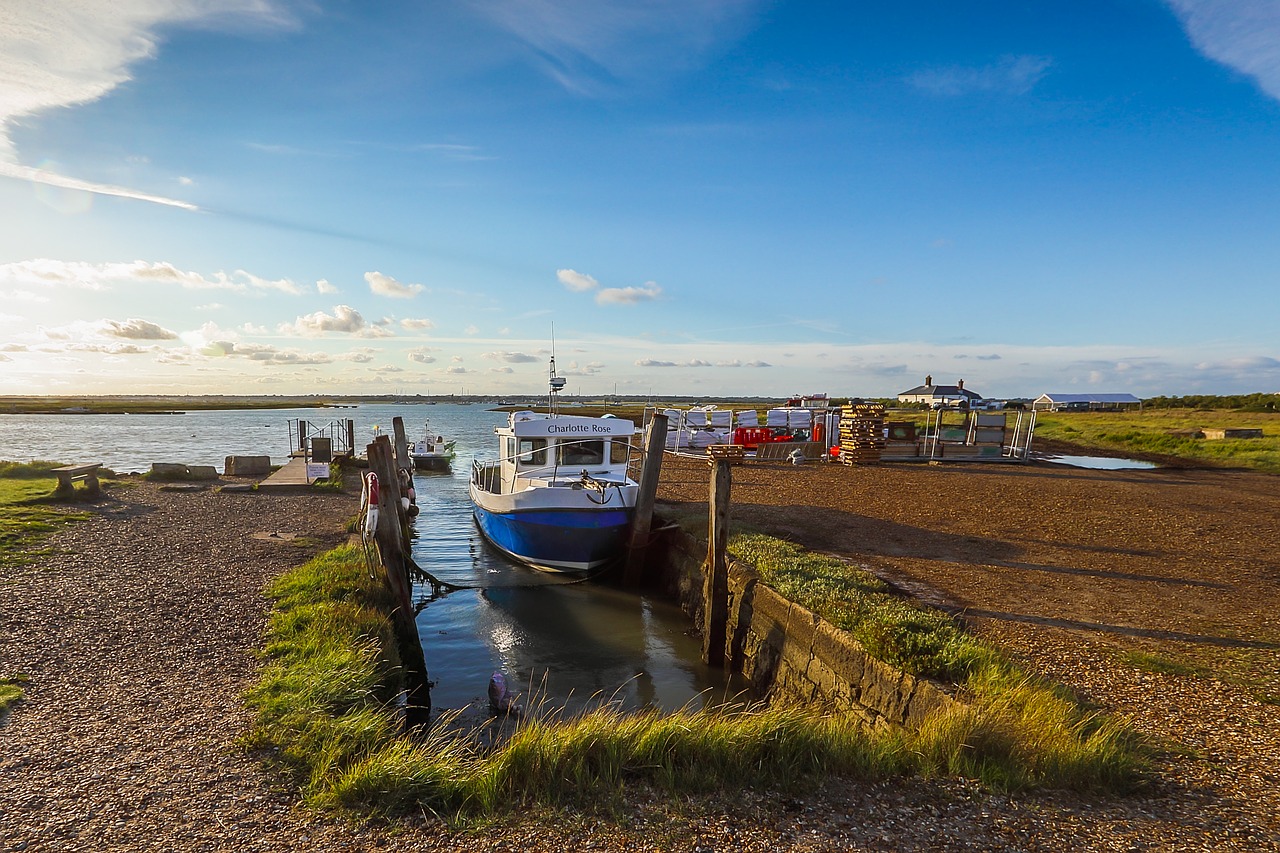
(293, 474)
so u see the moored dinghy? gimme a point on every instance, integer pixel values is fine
(559, 497)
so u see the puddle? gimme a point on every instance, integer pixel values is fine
(1104, 463)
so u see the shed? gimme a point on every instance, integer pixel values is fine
(1084, 402)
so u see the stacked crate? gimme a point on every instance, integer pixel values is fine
(861, 432)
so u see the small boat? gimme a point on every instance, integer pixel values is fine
(431, 452)
(559, 497)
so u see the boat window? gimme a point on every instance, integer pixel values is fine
(619, 451)
(582, 452)
(533, 451)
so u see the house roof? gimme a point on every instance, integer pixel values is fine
(1087, 398)
(940, 391)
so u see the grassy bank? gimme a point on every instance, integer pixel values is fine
(27, 514)
(1170, 433)
(326, 714)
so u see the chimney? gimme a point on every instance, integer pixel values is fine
(960, 384)
(928, 380)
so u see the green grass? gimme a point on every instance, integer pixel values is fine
(26, 516)
(921, 641)
(326, 714)
(1163, 665)
(1166, 432)
(11, 692)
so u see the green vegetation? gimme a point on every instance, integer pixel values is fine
(26, 488)
(10, 692)
(1151, 662)
(920, 641)
(1170, 433)
(326, 713)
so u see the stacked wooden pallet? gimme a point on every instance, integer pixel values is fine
(731, 453)
(861, 433)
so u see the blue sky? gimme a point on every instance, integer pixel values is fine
(711, 198)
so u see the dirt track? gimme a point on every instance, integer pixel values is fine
(138, 638)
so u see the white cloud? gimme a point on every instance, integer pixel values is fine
(344, 319)
(629, 295)
(55, 55)
(576, 281)
(1011, 75)
(1242, 35)
(137, 330)
(385, 285)
(324, 288)
(416, 324)
(101, 276)
(510, 357)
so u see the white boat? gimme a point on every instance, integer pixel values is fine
(559, 497)
(431, 452)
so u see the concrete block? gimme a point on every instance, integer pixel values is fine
(168, 469)
(202, 472)
(247, 466)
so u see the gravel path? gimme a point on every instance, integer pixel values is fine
(138, 638)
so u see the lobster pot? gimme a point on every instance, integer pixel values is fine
(695, 418)
(675, 428)
(721, 418)
(861, 433)
(702, 439)
(776, 418)
(748, 418)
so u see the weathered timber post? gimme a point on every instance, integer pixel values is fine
(655, 439)
(402, 444)
(351, 437)
(715, 579)
(302, 438)
(391, 549)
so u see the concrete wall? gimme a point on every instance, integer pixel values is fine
(792, 656)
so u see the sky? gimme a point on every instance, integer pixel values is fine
(719, 198)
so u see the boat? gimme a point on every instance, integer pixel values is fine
(431, 452)
(559, 497)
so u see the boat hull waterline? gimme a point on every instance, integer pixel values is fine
(564, 540)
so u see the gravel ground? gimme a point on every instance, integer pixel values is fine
(138, 637)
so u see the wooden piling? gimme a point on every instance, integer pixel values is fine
(715, 578)
(392, 536)
(655, 440)
(402, 444)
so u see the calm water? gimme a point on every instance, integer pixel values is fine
(569, 641)
(1104, 463)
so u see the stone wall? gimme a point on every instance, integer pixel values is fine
(790, 655)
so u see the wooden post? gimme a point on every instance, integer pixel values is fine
(391, 548)
(302, 437)
(655, 440)
(402, 444)
(715, 579)
(351, 437)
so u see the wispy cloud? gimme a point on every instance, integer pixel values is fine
(510, 357)
(591, 48)
(102, 276)
(385, 285)
(75, 52)
(576, 281)
(1242, 35)
(629, 295)
(1011, 75)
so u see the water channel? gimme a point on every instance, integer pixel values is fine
(571, 642)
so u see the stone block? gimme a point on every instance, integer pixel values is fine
(247, 466)
(176, 470)
(202, 472)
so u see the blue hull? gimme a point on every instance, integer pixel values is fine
(564, 540)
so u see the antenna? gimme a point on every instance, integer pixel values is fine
(556, 382)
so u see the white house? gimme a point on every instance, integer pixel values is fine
(939, 396)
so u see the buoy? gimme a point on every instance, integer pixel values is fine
(371, 517)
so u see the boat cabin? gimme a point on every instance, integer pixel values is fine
(558, 450)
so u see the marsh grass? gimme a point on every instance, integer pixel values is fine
(1162, 664)
(1166, 432)
(326, 713)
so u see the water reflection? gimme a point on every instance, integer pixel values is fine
(1102, 463)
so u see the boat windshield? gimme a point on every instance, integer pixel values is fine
(581, 452)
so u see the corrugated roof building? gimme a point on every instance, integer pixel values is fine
(1084, 402)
